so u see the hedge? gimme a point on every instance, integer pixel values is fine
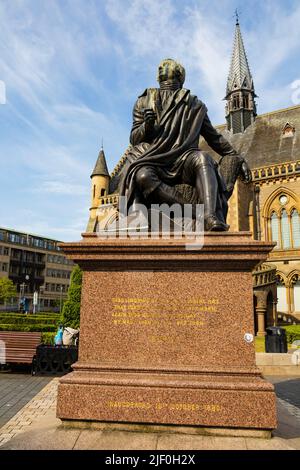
(18, 327)
(35, 315)
(292, 333)
(28, 320)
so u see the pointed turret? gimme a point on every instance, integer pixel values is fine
(240, 93)
(100, 180)
(101, 166)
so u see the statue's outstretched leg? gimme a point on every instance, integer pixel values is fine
(207, 188)
(201, 172)
(155, 191)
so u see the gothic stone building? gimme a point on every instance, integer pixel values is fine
(269, 207)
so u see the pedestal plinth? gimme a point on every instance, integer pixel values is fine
(165, 331)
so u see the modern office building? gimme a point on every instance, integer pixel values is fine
(35, 264)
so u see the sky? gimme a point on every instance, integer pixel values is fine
(71, 70)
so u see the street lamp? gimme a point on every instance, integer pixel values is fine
(22, 289)
(21, 293)
(41, 289)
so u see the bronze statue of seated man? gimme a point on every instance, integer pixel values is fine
(167, 124)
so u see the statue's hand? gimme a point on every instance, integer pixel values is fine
(245, 174)
(149, 118)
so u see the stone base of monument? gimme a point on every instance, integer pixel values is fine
(166, 334)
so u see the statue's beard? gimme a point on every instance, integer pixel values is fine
(171, 84)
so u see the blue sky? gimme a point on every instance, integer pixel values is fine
(73, 69)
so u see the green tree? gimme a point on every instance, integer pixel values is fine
(71, 309)
(7, 289)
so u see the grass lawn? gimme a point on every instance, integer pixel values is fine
(260, 344)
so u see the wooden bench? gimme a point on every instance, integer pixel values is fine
(20, 347)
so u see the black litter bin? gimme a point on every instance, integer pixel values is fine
(275, 340)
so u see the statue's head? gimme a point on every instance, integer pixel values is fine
(169, 69)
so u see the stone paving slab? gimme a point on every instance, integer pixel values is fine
(116, 440)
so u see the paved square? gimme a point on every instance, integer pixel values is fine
(16, 390)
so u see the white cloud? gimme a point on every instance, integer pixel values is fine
(60, 187)
(2, 92)
(41, 52)
(201, 37)
(192, 37)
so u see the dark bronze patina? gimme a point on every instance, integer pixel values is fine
(167, 124)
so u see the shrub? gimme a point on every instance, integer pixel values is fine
(7, 289)
(48, 338)
(292, 333)
(71, 309)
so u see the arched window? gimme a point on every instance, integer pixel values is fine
(295, 218)
(236, 101)
(275, 229)
(282, 305)
(246, 101)
(285, 230)
(297, 295)
(283, 221)
(102, 192)
(295, 292)
(94, 191)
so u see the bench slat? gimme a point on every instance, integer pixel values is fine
(20, 346)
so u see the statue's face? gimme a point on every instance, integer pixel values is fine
(169, 69)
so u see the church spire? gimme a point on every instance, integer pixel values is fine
(240, 93)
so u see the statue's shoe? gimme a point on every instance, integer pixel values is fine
(213, 224)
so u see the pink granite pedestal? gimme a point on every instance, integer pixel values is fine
(164, 333)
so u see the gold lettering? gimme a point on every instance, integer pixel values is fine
(129, 404)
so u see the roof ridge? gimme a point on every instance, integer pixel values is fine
(277, 111)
